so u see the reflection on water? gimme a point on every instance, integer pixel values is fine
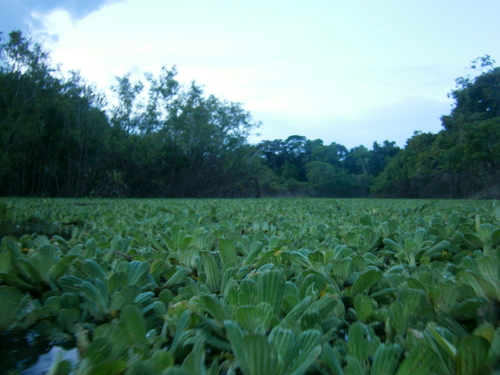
(18, 230)
(46, 360)
(27, 352)
(31, 355)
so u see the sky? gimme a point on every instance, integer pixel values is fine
(345, 71)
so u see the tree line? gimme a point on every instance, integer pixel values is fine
(61, 137)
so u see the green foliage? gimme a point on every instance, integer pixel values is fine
(12, 300)
(328, 179)
(460, 161)
(295, 286)
(305, 167)
(159, 138)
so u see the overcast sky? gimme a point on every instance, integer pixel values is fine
(346, 71)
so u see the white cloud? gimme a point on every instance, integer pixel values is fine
(351, 72)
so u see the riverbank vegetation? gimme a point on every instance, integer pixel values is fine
(60, 137)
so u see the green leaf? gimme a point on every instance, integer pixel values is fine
(343, 268)
(366, 280)
(117, 281)
(98, 351)
(260, 356)
(158, 268)
(331, 359)
(138, 273)
(481, 286)
(486, 330)
(161, 360)
(255, 250)
(29, 271)
(175, 371)
(496, 213)
(194, 363)
(116, 335)
(294, 315)
(312, 285)
(311, 319)
(386, 359)
(5, 262)
(364, 307)
(306, 349)
(212, 271)
(181, 326)
(489, 267)
(143, 298)
(15, 281)
(93, 270)
(255, 319)
(283, 340)
(68, 318)
(472, 355)
(90, 248)
(59, 366)
(228, 251)
(177, 278)
(265, 259)
(213, 306)
(296, 257)
(61, 267)
(235, 335)
(270, 288)
(96, 297)
(11, 299)
(360, 341)
(393, 245)
(354, 366)
(418, 362)
(437, 249)
(109, 367)
(316, 257)
(447, 346)
(13, 246)
(247, 292)
(328, 305)
(134, 324)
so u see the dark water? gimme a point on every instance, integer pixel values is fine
(20, 229)
(25, 352)
(30, 355)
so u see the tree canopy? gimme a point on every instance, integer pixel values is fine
(463, 159)
(59, 139)
(155, 137)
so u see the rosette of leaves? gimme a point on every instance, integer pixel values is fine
(283, 352)
(33, 270)
(485, 236)
(411, 247)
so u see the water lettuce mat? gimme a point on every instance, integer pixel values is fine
(270, 286)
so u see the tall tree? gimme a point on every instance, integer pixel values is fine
(476, 99)
(187, 143)
(125, 114)
(461, 160)
(357, 161)
(333, 154)
(329, 180)
(380, 155)
(52, 129)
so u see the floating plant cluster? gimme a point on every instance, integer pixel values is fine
(254, 287)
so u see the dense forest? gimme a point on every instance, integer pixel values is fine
(61, 137)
